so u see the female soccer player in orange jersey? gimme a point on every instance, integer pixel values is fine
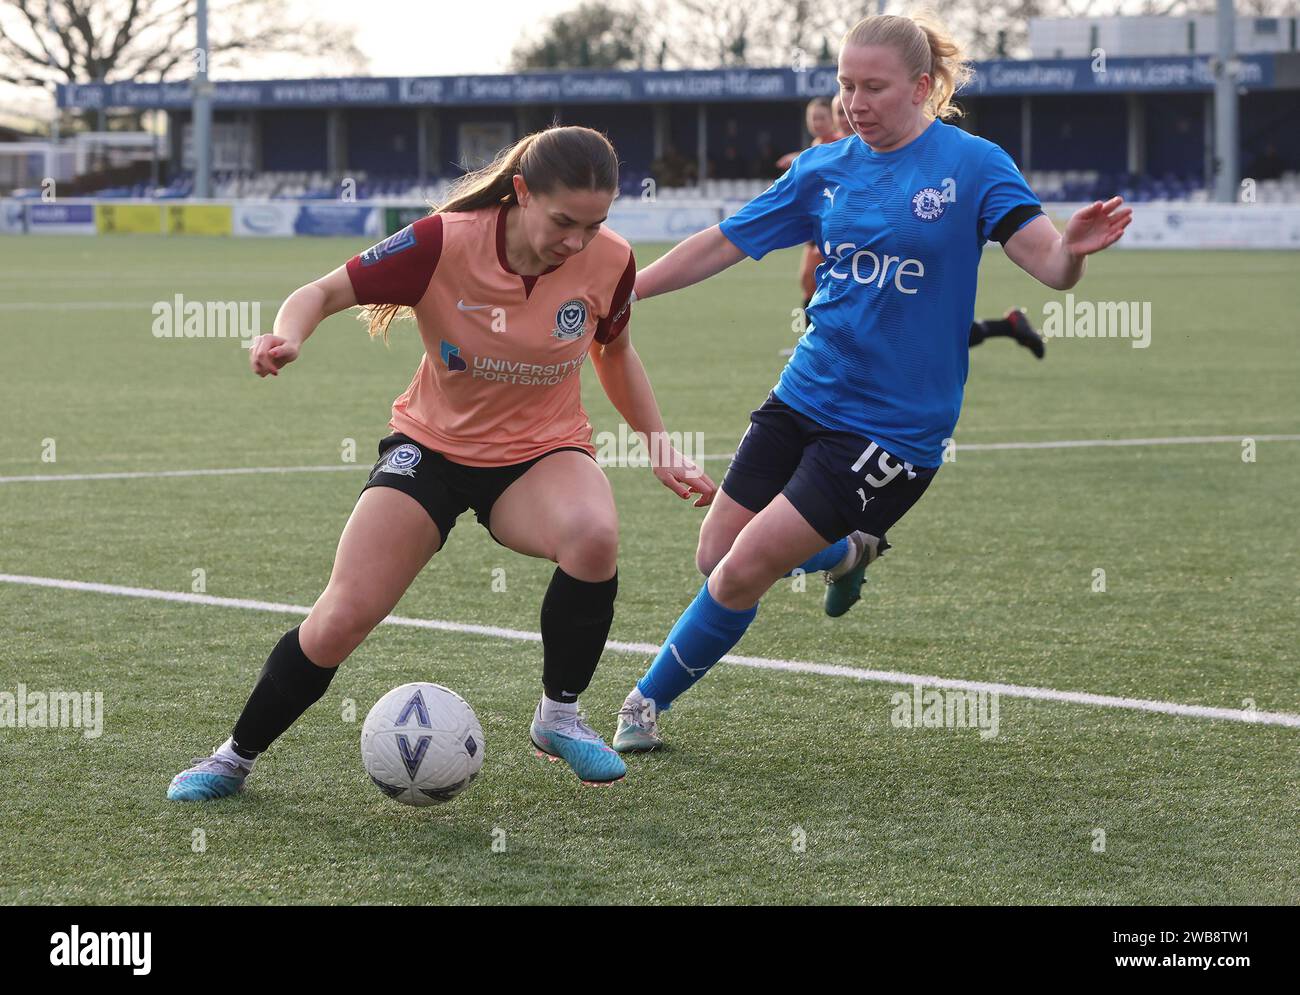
(513, 283)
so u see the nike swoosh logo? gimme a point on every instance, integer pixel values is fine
(462, 306)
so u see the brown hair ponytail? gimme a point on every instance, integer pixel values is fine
(572, 158)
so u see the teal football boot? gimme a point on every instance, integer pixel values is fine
(578, 745)
(844, 589)
(208, 779)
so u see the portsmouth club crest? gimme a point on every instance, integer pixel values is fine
(401, 460)
(927, 204)
(570, 320)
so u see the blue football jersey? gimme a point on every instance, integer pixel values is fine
(885, 351)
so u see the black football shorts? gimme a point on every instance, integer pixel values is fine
(839, 482)
(446, 489)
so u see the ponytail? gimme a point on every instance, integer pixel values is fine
(925, 47)
(949, 70)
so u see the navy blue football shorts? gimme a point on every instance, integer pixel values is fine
(839, 482)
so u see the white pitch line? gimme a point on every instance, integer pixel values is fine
(1176, 440)
(93, 305)
(649, 649)
(72, 306)
(219, 472)
(144, 474)
(710, 457)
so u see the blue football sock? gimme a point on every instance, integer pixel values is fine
(827, 558)
(702, 636)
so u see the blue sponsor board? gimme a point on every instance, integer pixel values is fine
(523, 88)
(39, 214)
(334, 219)
(1009, 77)
(1127, 75)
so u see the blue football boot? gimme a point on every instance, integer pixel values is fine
(209, 778)
(578, 745)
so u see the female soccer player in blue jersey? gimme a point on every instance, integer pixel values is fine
(853, 433)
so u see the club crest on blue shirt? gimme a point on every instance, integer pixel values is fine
(570, 320)
(402, 460)
(927, 204)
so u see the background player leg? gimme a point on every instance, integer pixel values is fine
(562, 510)
(808, 264)
(1016, 325)
(387, 541)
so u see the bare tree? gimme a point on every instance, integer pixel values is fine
(595, 35)
(710, 33)
(78, 41)
(675, 34)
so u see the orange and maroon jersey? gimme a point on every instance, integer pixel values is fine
(499, 382)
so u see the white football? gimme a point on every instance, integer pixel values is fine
(422, 744)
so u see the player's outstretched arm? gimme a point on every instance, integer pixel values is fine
(627, 386)
(1057, 258)
(697, 258)
(297, 318)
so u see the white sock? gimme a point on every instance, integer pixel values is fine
(642, 707)
(556, 712)
(226, 751)
(635, 700)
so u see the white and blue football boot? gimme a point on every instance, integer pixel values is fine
(209, 778)
(578, 745)
(638, 725)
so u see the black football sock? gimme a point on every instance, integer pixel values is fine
(987, 329)
(576, 616)
(288, 685)
(1024, 332)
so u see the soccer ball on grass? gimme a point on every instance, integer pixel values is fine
(422, 744)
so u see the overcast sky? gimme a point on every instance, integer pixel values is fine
(437, 37)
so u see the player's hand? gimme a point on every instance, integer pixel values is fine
(684, 478)
(270, 353)
(1096, 226)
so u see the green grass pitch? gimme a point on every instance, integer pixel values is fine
(991, 579)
